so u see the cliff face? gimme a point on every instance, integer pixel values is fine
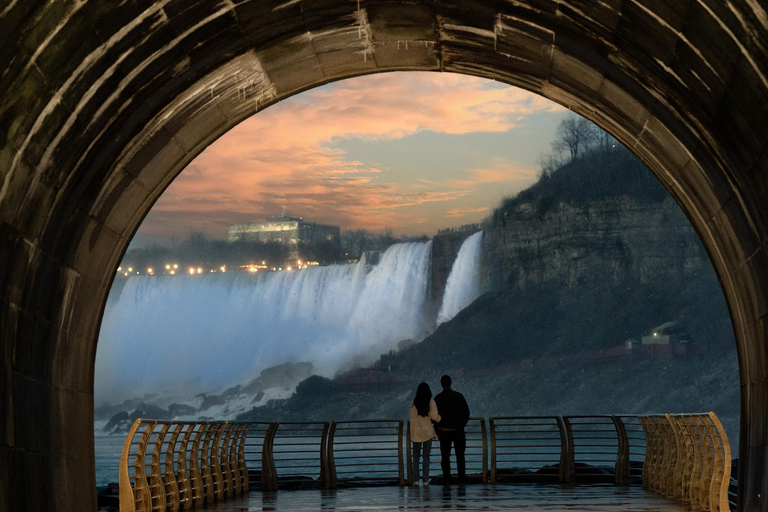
(611, 240)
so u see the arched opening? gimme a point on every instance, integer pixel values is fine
(106, 105)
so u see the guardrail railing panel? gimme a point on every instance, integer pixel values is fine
(528, 449)
(294, 453)
(366, 450)
(636, 442)
(476, 453)
(597, 446)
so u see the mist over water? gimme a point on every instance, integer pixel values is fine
(191, 333)
(464, 284)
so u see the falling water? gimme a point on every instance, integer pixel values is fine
(463, 285)
(195, 333)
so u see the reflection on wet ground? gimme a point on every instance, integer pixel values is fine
(498, 497)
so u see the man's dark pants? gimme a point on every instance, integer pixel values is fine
(458, 439)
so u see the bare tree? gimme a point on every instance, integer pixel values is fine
(575, 136)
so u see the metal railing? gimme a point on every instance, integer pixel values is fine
(172, 466)
(476, 453)
(366, 450)
(528, 449)
(294, 453)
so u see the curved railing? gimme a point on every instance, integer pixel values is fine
(174, 466)
(688, 458)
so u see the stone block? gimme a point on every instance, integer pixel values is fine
(32, 419)
(671, 155)
(33, 480)
(647, 39)
(623, 108)
(573, 75)
(702, 193)
(31, 356)
(72, 422)
(741, 121)
(154, 160)
(738, 238)
(121, 204)
(292, 65)
(395, 21)
(74, 481)
(14, 260)
(6, 374)
(22, 103)
(194, 129)
(97, 248)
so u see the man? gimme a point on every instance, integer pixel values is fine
(454, 415)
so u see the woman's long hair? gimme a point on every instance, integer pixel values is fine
(422, 398)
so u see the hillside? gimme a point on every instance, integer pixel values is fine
(593, 255)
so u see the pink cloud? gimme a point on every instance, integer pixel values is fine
(284, 157)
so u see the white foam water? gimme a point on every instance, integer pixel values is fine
(193, 333)
(464, 284)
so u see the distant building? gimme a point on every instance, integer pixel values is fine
(283, 229)
(666, 334)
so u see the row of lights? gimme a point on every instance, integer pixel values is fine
(172, 268)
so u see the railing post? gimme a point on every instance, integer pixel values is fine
(324, 455)
(173, 502)
(408, 452)
(182, 475)
(689, 457)
(648, 459)
(567, 454)
(268, 472)
(676, 480)
(198, 482)
(621, 469)
(142, 494)
(127, 497)
(243, 466)
(721, 477)
(492, 426)
(234, 468)
(484, 435)
(157, 486)
(228, 488)
(331, 462)
(400, 468)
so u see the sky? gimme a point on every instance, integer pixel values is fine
(413, 152)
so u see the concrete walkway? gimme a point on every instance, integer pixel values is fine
(499, 497)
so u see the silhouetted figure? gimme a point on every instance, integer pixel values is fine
(454, 415)
(423, 414)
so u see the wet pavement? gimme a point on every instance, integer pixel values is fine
(499, 497)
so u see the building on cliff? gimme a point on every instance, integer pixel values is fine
(283, 229)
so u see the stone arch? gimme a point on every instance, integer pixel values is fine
(104, 103)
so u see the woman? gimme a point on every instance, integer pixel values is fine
(423, 413)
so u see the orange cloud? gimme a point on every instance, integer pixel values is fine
(284, 157)
(461, 212)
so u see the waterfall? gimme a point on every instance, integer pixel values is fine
(463, 285)
(193, 333)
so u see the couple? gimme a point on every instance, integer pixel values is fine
(449, 413)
